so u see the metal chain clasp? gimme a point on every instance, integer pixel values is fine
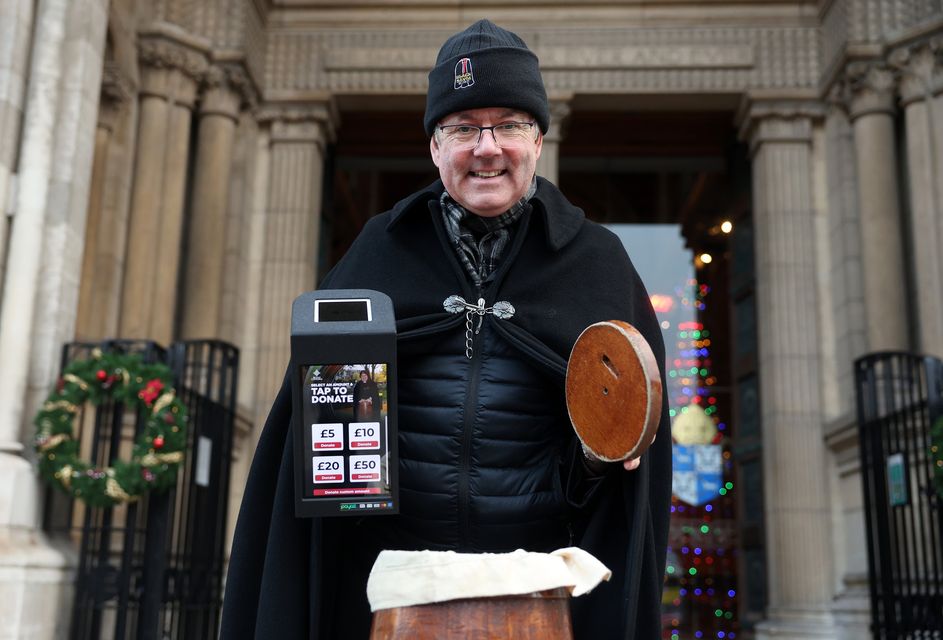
(457, 304)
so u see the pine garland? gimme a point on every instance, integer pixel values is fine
(157, 452)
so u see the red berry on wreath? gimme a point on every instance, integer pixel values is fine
(159, 442)
(101, 374)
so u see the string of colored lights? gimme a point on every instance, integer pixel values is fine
(701, 593)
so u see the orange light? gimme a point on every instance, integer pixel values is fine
(661, 303)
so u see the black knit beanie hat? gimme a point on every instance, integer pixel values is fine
(485, 66)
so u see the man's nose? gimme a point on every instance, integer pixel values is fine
(487, 144)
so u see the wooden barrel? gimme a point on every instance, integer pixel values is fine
(544, 615)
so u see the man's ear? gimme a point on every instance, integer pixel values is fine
(434, 150)
(540, 143)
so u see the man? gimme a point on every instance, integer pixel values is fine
(493, 275)
(366, 398)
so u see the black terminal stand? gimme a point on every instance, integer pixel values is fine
(343, 364)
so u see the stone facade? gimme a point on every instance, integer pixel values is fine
(161, 176)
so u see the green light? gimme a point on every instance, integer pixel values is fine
(696, 335)
(705, 334)
(729, 485)
(710, 410)
(704, 372)
(671, 412)
(672, 374)
(705, 528)
(729, 615)
(718, 613)
(683, 334)
(723, 491)
(670, 569)
(693, 371)
(692, 571)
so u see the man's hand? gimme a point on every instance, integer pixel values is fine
(600, 465)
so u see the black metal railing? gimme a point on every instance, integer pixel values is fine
(900, 395)
(153, 568)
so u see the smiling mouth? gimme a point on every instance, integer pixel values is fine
(486, 174)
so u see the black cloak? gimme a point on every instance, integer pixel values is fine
(568, 273)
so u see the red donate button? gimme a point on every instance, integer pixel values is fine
(365, 444)
(327, 477)
(365, 476)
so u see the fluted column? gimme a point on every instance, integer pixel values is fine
(548, 165)
(168, 89)
(798, 547)
(292, 230)
(921, 83)
(871, 108)
(206, 238)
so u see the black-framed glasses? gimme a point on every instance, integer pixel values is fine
(506, 134)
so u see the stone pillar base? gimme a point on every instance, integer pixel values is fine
(852, 609)
(797, 624)
(36, 576)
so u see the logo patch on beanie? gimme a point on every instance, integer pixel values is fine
(464, 77)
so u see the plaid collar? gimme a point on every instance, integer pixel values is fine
(480, 242)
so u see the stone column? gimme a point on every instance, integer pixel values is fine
(21, 279)
(206, 235)
(921, 81)
(292, 231)
(37, 307)
(168, 89)
(843, 303)
(871, 108)
(548, 165)
(102, 229)
(798, 547)
(16, 21)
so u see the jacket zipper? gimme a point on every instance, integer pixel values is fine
(468, 429)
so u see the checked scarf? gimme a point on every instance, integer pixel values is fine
(480, 242)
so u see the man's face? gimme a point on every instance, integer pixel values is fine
(488, 178)
(364, 377)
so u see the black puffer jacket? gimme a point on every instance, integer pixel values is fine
(480, 450)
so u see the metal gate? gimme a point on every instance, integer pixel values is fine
(153, 569)
(900, 395)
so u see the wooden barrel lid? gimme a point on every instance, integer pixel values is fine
(613, 391)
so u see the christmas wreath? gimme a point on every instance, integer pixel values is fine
(157, 452)
(936, 455)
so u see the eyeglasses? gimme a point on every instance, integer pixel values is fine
(506, 134)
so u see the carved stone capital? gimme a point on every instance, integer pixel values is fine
(559, 117)
(920, 66)
(778, 121)
(871, 86)
(301, 122)
(226, 88)
(157, 53)
(116, 86)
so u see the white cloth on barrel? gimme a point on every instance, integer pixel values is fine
(407, 578)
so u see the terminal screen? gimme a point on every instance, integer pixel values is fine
(345, 409)
(342, 311)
